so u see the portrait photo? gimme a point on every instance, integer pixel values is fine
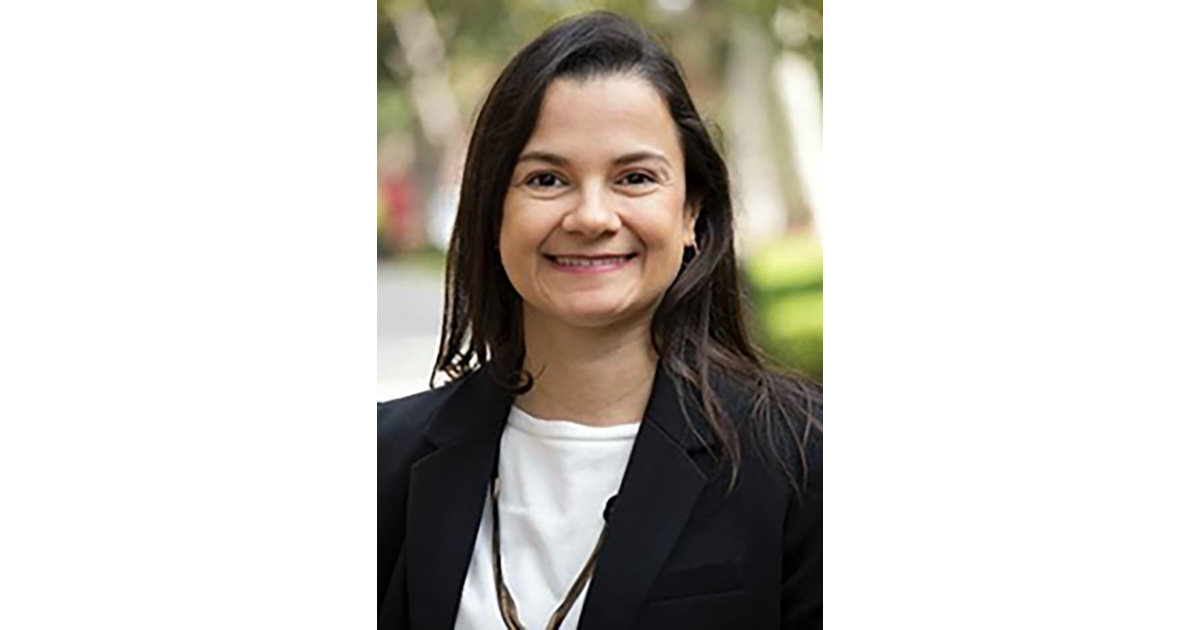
(599, 315)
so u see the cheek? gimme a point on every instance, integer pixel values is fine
(674, 234)
(670, 261)
(521, 236)
(664, 238)
(508, 244)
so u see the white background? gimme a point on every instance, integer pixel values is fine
(187, 290)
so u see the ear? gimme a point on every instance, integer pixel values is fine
(691, 212)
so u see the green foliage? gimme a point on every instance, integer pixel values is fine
(786, 288)
(394, 110)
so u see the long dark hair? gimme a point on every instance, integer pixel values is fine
(699, 329)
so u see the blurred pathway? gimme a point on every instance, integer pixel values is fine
(409, 317)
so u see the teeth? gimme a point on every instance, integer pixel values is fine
(588, 262)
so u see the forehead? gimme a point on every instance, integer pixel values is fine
(602, 117)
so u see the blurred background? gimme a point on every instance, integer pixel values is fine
(754, 69)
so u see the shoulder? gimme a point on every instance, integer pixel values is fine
(401, 422)
(801, 412)
(779, 420)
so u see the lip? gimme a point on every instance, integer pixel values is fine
(618, 261)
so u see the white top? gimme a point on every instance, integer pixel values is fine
(555, 478)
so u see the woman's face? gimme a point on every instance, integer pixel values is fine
(595, 219)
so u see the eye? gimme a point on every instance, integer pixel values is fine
(544, 180)
(638, 178)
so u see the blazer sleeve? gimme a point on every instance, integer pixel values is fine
(802, 566)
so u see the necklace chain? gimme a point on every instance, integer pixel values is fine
(508, 606)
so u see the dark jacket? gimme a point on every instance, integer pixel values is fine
(680, 552)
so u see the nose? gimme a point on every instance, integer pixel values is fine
(593, 215)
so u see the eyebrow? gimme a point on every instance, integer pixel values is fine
(560, 161)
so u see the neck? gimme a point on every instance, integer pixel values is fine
(594, 376)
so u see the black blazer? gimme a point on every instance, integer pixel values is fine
(680, 552)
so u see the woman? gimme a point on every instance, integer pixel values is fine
(610, 451)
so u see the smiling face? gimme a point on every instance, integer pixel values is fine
(595, 218)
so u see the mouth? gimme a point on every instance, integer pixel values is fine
(585, 264)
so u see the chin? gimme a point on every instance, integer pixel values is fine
(590, 318)
(592, 315)
(586, 313)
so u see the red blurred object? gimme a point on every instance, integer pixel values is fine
(403, 226)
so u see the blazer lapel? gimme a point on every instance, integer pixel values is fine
(446, 498)
(659, 489)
